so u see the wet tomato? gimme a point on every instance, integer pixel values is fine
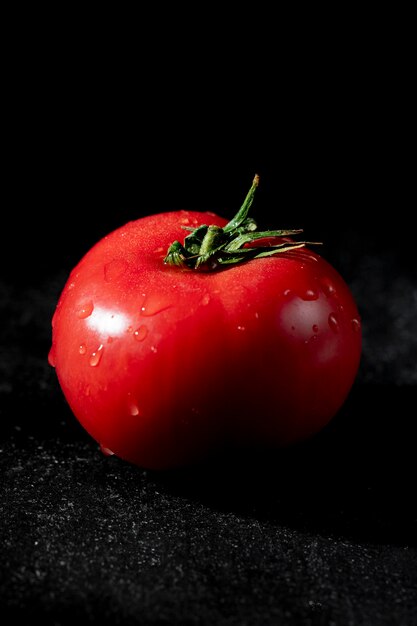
(234, 337)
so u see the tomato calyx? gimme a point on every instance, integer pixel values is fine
(210, 247)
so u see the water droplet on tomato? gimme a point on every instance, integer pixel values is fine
(356, 325)
(154, 349)
(241, 328)
(287, 292)
(82, 349)
(333, 322)
(132, 406)
(51, 356)
(327, 287)
(85, 310)
(315, 328)
(106, 451)
(95, 358)
(140, 333)
(152, 305)
(310, 294)
(114, 269)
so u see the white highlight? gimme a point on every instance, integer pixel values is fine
(106, 321)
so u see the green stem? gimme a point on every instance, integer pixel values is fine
(210, 247)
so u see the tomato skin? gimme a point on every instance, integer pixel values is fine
(162, 365)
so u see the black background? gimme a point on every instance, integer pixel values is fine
(324, 533)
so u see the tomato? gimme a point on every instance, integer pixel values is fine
(162, 364)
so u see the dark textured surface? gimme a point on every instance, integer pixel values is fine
(102, 540)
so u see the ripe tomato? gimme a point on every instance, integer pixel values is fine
(161, 364)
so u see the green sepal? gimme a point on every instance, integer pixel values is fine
(208, 247)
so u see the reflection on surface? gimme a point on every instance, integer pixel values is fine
(106, 321)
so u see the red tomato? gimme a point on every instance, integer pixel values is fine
(162, 364)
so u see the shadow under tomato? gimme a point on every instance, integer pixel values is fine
(355, 479)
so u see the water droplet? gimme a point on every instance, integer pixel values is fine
(132, 405)
(82, 349)
(287, 292)
(310, 294)
(154, 349)
(333, 322)
(241, 328)
(95, 358)
(205, 299)
(140, 333)
(85, 310)
(356, 325)
(327, 287)
(340, 308)
(51, 356)
(106, 451)
(152, 305)
(315, 328)
(114, 269)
